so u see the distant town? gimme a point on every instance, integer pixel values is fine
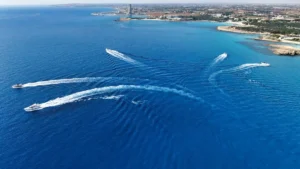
(273, 22)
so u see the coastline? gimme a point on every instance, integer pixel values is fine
(262, 36)
(234, 30)
(292, 42)
(265, 35)
(270, 39)
(284, 50)
(167, 20)
(232, 27)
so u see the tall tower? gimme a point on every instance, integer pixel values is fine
(129, 11)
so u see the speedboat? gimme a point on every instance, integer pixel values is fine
(34, 107)
(109, 51)
(17, 86)
(265, 64)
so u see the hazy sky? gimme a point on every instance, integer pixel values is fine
(42, 2)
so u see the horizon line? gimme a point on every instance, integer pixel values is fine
(179, 3)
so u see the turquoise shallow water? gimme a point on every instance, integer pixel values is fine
(150, 104)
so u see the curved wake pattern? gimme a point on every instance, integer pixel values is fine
(122, 56)
(87, 93)
(73, 80)
(212, 77)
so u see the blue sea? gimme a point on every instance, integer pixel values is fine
(164, 95)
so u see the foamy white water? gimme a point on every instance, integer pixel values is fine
(75, 80)
(137, 102)
(87, 93)
(108, 97)
(122, 56)
(213, 76)
(220, 58)
(65, 81)
(113, 97)
(217, 60)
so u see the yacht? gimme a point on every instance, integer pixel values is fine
(33, 107)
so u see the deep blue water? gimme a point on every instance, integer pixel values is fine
(243, 119)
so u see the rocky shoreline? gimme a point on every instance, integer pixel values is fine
(284, 50)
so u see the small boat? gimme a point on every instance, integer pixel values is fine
(17, 86)
(265, 64)
(34, 107)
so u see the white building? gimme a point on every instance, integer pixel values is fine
(218, 15)
(279, 17)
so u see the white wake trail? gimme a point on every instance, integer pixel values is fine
(212, 77)
(122, 56)
(83, 94)
(75, 80)
(113, 97)
(65, 81)
(219, 59)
